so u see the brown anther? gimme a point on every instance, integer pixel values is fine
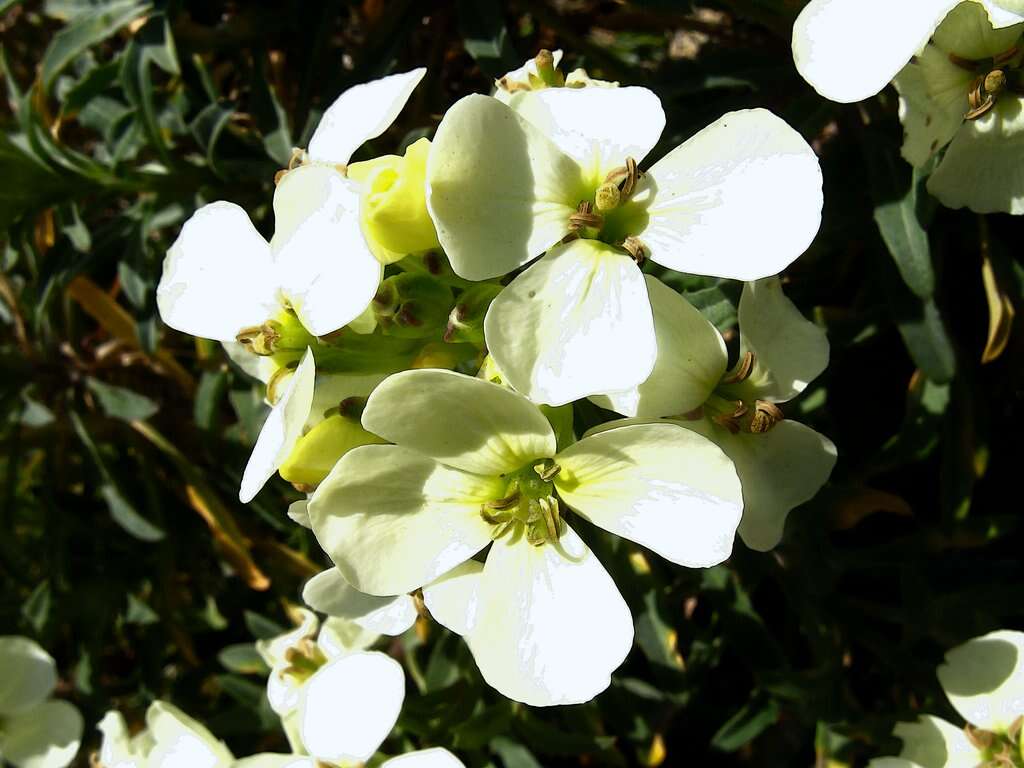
(298, 158)
(983, 93)
(742, 371)
(723, 420)
(303, 487)
(506, 503)
(547, 471)
(979, 738)
(635, 248)
(766, 415)
(279, 175)
(579, 220)
(419, 604)
(626, 176)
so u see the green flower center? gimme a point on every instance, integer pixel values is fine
(998, 750)
(612, 216)
(734, 404)
(530, 508)
(304, 658)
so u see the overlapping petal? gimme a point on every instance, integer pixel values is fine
(499, 191)
(933, 101)
(29, 675)
(361, 113)
(182, 742)
(661, 486)
(217, 277)
(281, 430)
(393, 520)
(789, 350)
(984, 679)
(349, 706)
(978, 30)
(576, 323)
(934, 743)
(425, 758)
(453, 598)
(550, 625)
(329, 593)
(46, 736)
(322, 261)
(850, 49)
(691, 360)
(741, 199)
(464, 422)
(598, 127)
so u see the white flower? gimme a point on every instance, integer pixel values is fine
(171, 739)
(957, 67)
(329, 593)
(506, 183)
(221, 277)
(35, 731)
(476, 462)
(781, 463)
(336, 700)
(984, 681)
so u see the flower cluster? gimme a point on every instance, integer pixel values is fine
(424, 323)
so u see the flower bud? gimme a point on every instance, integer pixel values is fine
(466, 320)
(412, 306)
(393, 206)
(316, 452)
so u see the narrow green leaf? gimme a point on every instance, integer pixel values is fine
(36, 608)
(514, 755)
(744, 726)
(243, 658)
(124, 515)
(121, 403)
(928, 342)
(906, 238)
(482, 23)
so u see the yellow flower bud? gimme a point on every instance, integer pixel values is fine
(316, 452)
(393, 210)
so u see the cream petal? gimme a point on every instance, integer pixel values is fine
(982, 169)
(46, 736)
(361, 113)
(462, 421)
(281, 430)
(598, 127)
(298, 513)
(933, 101)
(340, 637)
(329, 593)
(740, 199)
(934, 743)
(779, 470)
(551, 625)
(452, 599)
(393, 520)
(271, 760)
(350, 705)
(850, 49)
(217, 276)
(1004, 13)
(984, 679)
(425, 758)
(28, 674)
(499, 191)
(181, 742)
(576, 323)
(691, 360)
(117, 749)
(967, 31)
(323, 264)
(669, 489)
(789, 350)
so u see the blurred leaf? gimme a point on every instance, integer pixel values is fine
(85, 30)
(151, 45)
(929, 343)
(207, 127)
(212, 386)
(514, 755)
(261, 627)
(271, 119)
(140, 613)
(36, 608)
(747, 724)
(121, 403)
(482, 23)
(898, 221)
(127, 517)
(244, 659)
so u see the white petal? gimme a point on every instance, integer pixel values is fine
(270, 760)
(931, 741)
(1004, 13)
(361, 113)
(298, 513)
(666, 488)
(217, 277)
(452, 599)
(260, 367)
(779, 470)
(892, 762)
(281, 430)
(46, 736)
(576, 323)
(984, 679)
(425, 758)
(28, 674)
(967, 31)
(789, 350)
(117, 749)
(691, 360)
(272, 650)
(340, 637)
(393, 520)
(182, 742)
(740, 199)
(983, 168)
(499, 191)
(323, 264)
(464, 422)
(329, 593)
(598, 127)
(551, 625)
(350, 705)
(831, 48)
(933, 101)
(332, 388)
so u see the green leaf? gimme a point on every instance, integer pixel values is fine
(261, 627)
(152, 44)
(243, 658)
(36, 608)
(747, 724)
(120, 403)
(87, 29)
(905, 237)
(271, 119)
(209, 394)
(207, 128)
(514, 755)
(140, 613)
(928, 342)
(482, 23)
(127, 517)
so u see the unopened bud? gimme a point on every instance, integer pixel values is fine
(317, 451)
(412, 306)
(466, 320)
(547, 73)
